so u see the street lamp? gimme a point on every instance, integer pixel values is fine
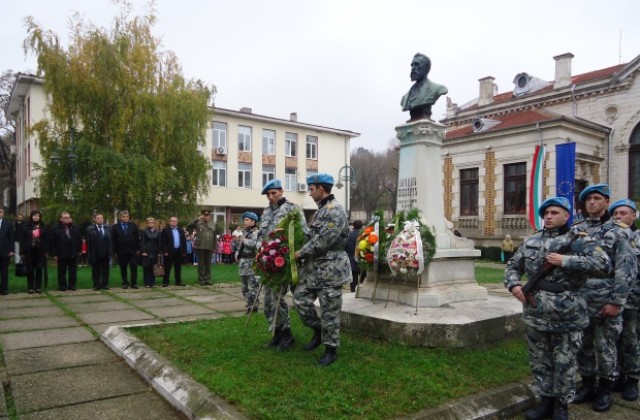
(71, 155)
(348, 175)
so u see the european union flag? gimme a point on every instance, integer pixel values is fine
(565, 172)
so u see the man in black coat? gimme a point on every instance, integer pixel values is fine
(352, 243)
(66, 246)
(126, 242)
(99, 252)
(7, 247)
(173, 244)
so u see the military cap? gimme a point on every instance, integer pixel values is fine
(320, 179)
(250, 215)
(274, 184)
(624, 202)
(205, 212)
(554, 201)
(602, 189)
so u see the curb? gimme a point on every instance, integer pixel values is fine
(179, 389)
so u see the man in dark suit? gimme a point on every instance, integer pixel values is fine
(66, 243)
(126, 242)
(99, 252)
(174, 247)
(7, 247)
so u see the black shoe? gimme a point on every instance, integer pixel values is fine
(587, 391)
(125, 285)
(315, 342)
(96, 288)
(604, 400)
(165, 284)
(181, 284)
(4, 293)
(73, 289)
(275, 339)
(543, 410)
(134, 286)
(630, 389)
(105, 288)
(560, 411)
(330, 355)
(206, 283)
(30, 291)
(286, 342)
(38, 291)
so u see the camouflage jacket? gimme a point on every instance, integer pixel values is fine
(326, 263)
(272, 215)
(247, 251)
(562, 310)
(633, 301)
(614, 238)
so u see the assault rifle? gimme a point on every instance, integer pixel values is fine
(536, 281)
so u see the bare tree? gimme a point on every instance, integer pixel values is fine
(376, 177)
(7, 130)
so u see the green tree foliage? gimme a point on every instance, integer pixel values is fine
(124, 122)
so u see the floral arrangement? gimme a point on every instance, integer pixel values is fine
(371, 245)
(275, 261)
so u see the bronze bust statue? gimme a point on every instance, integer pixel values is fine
(424, 92)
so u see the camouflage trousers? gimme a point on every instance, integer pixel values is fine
(250, 286)
(271, 297)
(330, 306)
(552, 357)
(628, 347)
(598, 355)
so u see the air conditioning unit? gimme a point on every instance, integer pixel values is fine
(221, 150)
(302, 187)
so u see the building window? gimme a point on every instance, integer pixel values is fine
(312, 147)
(469, 192)
(515, 188)
(219, 135)
(268, 173)
(634, 165)
(290, 179)
(219, 177)
(268, 142)
(244, 138)
(244, 175)
(290, 144)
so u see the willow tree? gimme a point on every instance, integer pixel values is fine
(125, 126)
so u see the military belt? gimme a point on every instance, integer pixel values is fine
(550, 286)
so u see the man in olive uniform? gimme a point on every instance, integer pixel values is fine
(278, 208)
(606, 295)
(204, 245)
(554, 312)
(325, 269)
(625, 211)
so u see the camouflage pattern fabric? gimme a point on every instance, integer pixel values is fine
(628, 346)
(324, 270)
(246, 255)
(555, 323)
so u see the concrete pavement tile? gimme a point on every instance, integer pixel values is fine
(234, 306)
(195, 317)
(68, 299)
(217, 298)
(35, 312)
(147, 294)
(193, 291)
(184, 310)
(37, 323)
(3, 407)
(63, 356)
(113, 305)
(114, 316)
(57, 388)
(101, 328)
(44, 338)
(24, 303)
(159, 303)
(146, 405)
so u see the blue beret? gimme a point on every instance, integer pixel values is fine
(623, 202)
(274, 184)
(554, 201)
(250, 215)
(602, 189)
(320, 179)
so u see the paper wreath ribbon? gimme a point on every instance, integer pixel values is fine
(414, 225)
(292, 254)
(376, 230)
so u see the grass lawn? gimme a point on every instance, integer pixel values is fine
(489, 275)
(220, 273)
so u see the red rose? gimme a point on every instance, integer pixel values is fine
(279, 262)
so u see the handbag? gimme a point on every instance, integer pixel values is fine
(158, 268)
(21, 270)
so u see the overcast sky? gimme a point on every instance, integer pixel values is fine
(345, 64)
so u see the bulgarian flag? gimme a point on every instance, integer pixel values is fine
(535, 187)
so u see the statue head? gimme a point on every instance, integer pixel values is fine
(420, 66)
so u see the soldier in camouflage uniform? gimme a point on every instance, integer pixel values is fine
(246, 256)
(625, 211)
(325, 269)
(553, 310)
(278, 208)
(605, 295)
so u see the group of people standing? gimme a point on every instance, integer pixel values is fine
(580, 303)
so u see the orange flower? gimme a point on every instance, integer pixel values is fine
(368, 230)
(373, 238)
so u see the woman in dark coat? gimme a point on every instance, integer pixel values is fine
(150, 248)
(34, 245)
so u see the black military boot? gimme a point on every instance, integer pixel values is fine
(543, 410)
(604, 400)
(630, 389)
(560, 411)
(286, 341)
(587, 391)
(330, 355)
(275, 339)
(316, 340)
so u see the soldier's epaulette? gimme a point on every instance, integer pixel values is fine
(621, 224)
(583, 233)
(577, 223)
(331, 206)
